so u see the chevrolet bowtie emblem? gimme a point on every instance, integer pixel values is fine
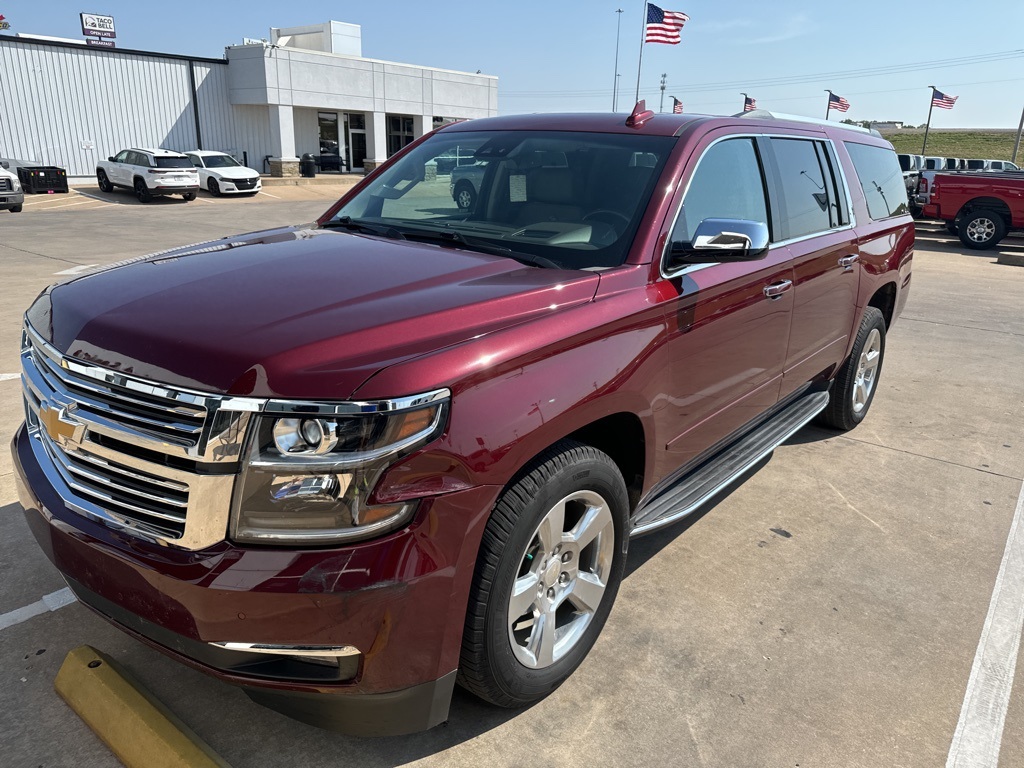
(59, 425)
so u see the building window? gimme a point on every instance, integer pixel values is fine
(400, 132)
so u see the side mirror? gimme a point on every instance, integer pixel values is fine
(5, 165)
(722, 240)
(111, 159)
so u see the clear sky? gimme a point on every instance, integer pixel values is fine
(559, 55)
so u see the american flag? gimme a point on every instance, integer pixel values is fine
(941, 100)
(749, 104)
(663, 26)
(838, 103)
(677, 106)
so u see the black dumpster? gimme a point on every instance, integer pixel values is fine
(42, 178)
(307, 166)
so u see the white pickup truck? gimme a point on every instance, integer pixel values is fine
(150, 173)
(11, 195)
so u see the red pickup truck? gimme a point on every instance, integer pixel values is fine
(981, 208)
(346, 465)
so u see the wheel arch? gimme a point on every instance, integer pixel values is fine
(993, 204)
(884, 300)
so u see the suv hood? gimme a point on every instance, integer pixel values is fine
(298, 312)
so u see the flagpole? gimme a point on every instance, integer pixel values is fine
(1020, 129)
(928, 125)
(615, 85)
(744, 101)
(640, 63)
(828, 107)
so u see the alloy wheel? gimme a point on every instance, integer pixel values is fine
(867, 370)
(561, 580)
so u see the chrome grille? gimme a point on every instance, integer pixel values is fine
(5, 184)
(156, 460)
(125, 492)
(163, 418)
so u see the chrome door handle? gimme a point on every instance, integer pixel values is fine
(775, 290)
(847, 262)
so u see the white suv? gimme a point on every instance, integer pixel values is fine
(150, 172)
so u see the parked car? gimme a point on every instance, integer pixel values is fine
(464, 183)
(980, 208)
(221, 174)
(36, 177)
(934, 163)
(349, 464)
(11, 195)
(911, 165)
(150, 173)
(991, 165)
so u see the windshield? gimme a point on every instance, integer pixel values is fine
(173, 162)
(571, 200)
(220, 161)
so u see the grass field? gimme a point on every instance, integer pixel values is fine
(967, 144)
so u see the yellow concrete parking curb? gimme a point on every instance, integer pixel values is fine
(139, 730)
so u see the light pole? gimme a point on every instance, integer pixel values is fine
(661, 105)
(1020, 129)
(615, 86)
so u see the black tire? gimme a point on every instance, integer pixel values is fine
(104, 182)
(188, 197)
(214, 187)
(16, 208)
(847, 407)
(489, 666)
(981, 230)
(465, 195)
(142, 191)
(952, 228)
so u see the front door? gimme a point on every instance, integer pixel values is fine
(356, 151)
(727, 337)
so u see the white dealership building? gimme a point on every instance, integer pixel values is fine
(304, 90)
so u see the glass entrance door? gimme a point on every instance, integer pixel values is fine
(330, 141)
(356, 150)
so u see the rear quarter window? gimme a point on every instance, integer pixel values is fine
(880, 179)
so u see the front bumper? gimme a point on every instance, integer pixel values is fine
(231, 187)
(11, 199)
(399, 600)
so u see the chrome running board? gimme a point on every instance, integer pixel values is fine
(711, 477)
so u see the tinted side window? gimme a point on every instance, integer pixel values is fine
(880, 178)
(122, 156)
(806, 186)
(728, 184)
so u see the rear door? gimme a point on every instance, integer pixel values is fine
(726, 336)
(817, 229)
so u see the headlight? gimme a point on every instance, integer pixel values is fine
(17, 184)
(311, 468)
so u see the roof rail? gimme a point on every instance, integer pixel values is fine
(764, 114)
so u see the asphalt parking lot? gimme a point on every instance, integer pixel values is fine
(824, 612)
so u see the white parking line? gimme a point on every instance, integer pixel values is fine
(51, 602)
(68, 205)
(76, 270)
(979, 732)
(269, 195)
(9, 376)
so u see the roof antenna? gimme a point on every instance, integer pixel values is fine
(641, 114)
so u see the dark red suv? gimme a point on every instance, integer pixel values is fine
(348, 465)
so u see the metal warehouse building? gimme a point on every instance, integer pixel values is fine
(306, 90)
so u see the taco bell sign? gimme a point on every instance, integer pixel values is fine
(94, 25)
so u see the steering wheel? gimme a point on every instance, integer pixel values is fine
(615, 224)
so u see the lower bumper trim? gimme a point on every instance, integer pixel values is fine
(379, 714)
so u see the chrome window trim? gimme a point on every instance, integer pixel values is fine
(781, 243)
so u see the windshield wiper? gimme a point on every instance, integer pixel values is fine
(354, 225)
(458, 240)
